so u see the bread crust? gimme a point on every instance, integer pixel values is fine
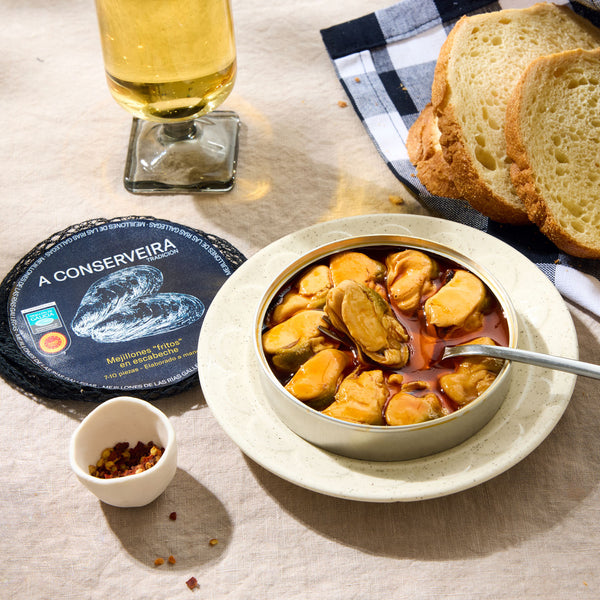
(459, 152)
(425, 153)
(522, 170)
(477, 193)
(455, 150)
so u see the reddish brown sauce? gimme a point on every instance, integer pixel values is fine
(426, 342)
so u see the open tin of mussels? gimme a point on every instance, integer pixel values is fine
(374, 438)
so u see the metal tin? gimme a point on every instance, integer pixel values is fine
(375, 442)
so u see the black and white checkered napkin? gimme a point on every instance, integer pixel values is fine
(385, 62)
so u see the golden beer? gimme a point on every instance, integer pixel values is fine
(168, 60)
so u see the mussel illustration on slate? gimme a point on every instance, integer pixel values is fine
(125, 305)
(111, 292)
(147, 316)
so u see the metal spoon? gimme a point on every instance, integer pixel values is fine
(525, 356)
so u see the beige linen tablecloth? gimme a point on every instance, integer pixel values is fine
(532, 532)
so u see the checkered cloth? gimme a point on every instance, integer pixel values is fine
(385, 62)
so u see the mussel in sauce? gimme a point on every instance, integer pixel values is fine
(295, 340)
(458, 303)
(473, 375)
(317, 380)
(410, 276)
(360, 398)
(358, 267)
(358, 336)
(404, 408)
(368, 320)
(309, 292)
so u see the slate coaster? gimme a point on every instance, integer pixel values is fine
(110, 307)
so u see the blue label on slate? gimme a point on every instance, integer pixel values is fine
(46, 329)
(42, 318)
(118, 306)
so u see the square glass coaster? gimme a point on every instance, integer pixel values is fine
(183, 158)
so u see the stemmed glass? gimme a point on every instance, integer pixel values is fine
(171, 63)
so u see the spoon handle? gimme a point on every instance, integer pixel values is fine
(526, 356)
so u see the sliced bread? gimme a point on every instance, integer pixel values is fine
(553, 137)
(425, 153)
(478, 67)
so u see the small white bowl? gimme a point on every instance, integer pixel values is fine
(124, 419)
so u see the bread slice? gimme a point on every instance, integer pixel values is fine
(553, 137)
(477, 69)
(425, 153)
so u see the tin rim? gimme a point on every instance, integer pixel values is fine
(404, 242)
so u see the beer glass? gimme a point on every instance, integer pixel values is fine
(171, 63)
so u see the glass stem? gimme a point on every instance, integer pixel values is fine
(177, 132)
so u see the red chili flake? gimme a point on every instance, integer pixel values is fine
(173, 516)
(122, 460)
(192, 583)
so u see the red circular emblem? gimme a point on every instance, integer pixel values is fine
(53, 342)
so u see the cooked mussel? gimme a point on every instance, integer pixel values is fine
(459, 303)
(406, 407)
(410, 277)
(472, 377)
(308, 293)
(360, 398)
(317, 380)
(368, 320)
(359, 267)
(296, 339)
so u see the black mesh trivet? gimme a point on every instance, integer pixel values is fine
(18, 370)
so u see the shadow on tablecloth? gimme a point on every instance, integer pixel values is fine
(530, 498)
(148, 532)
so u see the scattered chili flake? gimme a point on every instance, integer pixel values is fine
(173, 516)
(192, 583)
(172, 560)
(159, 561)
(342, 104)
(213, 542)
(123, 460)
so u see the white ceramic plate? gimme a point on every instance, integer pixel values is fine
(537, 398)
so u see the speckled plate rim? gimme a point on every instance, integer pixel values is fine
(537, 398)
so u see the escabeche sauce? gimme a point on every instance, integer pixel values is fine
(426, 342)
